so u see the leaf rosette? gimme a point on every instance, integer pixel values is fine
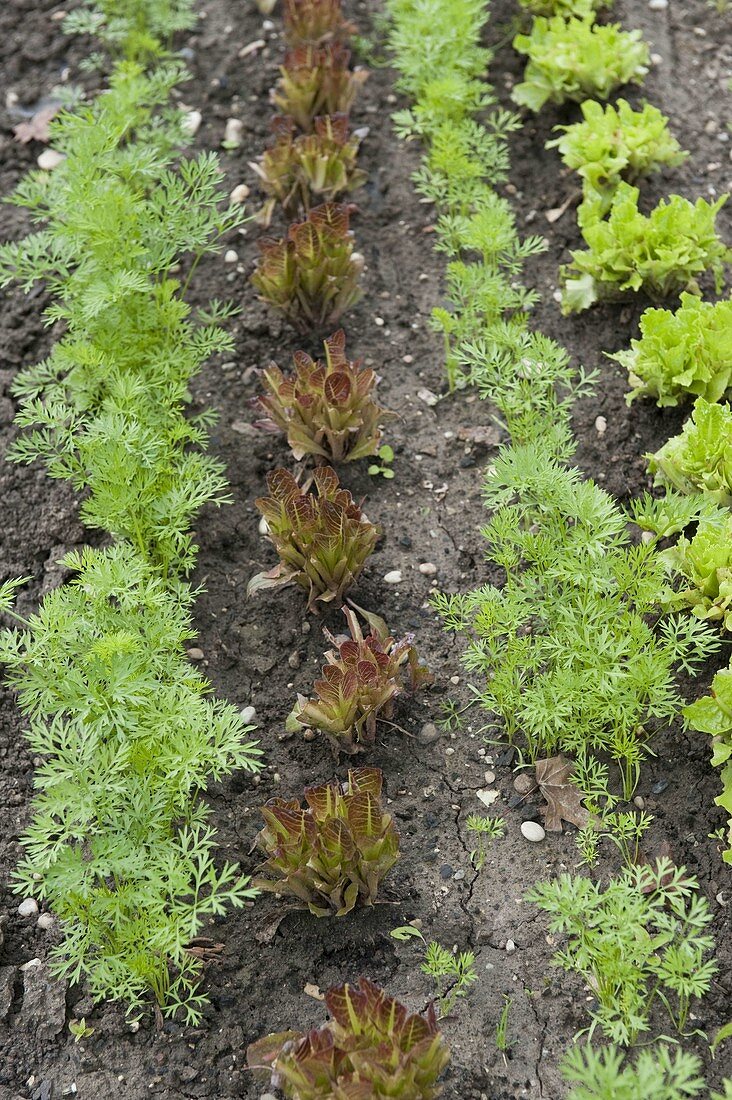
(371, 1047)
(320, 166)
(311, 276)
(681, 354)
(360, 683)
(315, 22)
(332, 855)
(326, 407)
(323, 538)
(316, 80)
(699, 459)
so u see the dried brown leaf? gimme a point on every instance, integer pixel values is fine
(564, 800)
(36, 129)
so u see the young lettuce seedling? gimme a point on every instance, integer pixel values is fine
(320, 166)
(699, 459)
(316, 81)
(661, 254)
(577, 59)
(361, 681)
(611, 144)
(681, 354)
(333, 855)
(326, 408)
(705, 563)
(712, 714)
(371, 1048)
(315, 22)
(323, 538)
(312, 275)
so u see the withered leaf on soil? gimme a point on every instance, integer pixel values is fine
(36, 129)
(564, 800)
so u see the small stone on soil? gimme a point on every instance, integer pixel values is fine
(28, 907)
(231, 256)
(428, 568)
(446, 871)
(248, 714)
(510, 947)
(45, 921)
(600, 425)
(394, 576)
(195, 654)
(659, 786)
(50, 159)
(531, 830)
(428, 734)
(240, 193)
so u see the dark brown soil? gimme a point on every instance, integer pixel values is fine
(264, 650)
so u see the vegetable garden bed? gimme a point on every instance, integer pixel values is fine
(263, 651)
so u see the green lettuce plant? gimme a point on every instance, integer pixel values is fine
(321, 166)
(614, 143)
(699, 459)
(323, 538)
(363, 677)
(316, 80)
(311, 276)
(315, 22)
(577, 59)
(704, 562)
(712, 714)
(326, 407)
(119, 844)
(662, 1072)
(333, 855)
(640, 939)
(682, 353)
(662, 253)
(371, 1047)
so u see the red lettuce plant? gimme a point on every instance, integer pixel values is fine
(315, 22)
(323, 538)
(371, 1047)
(360, 682)
(312, 275)
(316, 80)
(326, 408)
(322, 165)
(332, 855)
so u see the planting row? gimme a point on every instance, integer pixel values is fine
(576, 653)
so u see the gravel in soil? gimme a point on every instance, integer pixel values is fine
(263, 651)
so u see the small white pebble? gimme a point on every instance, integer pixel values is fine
(600, 425)
(531, 830)
(510, 947)
(658, 5)
(263, 526)
(240, 193)
(50, 159)
(487, 797)
(379, 321)
(656, 59)
(195, 653)
(490, 777)
(28, 907)
(449, 752)
(394, 576)
(455, 680)
(639, 802)
(248, 714)
(233, 132)
(45, 921)
(427, 396)
(192, 123)
(407, 359)
(428, 568)
(231, 256)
